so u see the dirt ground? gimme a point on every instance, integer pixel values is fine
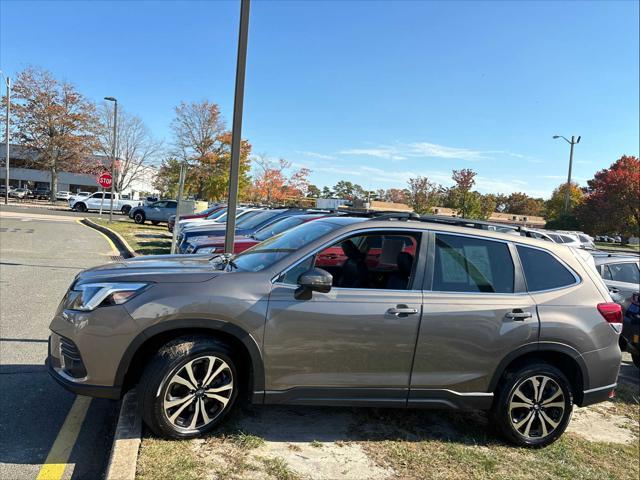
(290, 443)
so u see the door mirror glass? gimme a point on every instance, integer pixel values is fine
(313, 280)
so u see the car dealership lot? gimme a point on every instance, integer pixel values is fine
(40, 253)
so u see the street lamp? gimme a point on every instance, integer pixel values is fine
(7, 81)
(567, 192)
(113, 153)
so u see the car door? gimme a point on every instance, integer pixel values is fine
(169, 210)
(154, 212)
(347, 346)
(622, 278)
(475, 312)
(94, 201)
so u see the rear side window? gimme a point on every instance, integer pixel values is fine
(466, 264)
(624, 272)
(542, 271)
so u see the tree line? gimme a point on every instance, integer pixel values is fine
(65, 128)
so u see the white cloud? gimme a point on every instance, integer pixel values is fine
(389, 153)
(321, 156)
(425, 149)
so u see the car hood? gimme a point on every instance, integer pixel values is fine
(154, 268)
(214, 241)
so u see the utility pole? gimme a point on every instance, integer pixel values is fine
(174, 238)
(236, 133)
(567, 193)
(113, 153)
(6, 178)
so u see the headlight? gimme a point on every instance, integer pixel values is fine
(207, 250)
(89, 296)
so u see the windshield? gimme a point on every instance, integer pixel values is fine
(278, 227)
(218, 214)
(242, 218)
(258, 218)
(267, 253)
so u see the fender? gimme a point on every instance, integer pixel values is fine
(540, 347)
(247, 340)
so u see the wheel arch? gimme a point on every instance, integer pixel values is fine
(146, 343)
(562, 356)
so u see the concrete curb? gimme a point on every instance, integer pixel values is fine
(126, 441)
(120, 243)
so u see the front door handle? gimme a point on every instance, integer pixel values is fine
(402, 311)
(518, 314)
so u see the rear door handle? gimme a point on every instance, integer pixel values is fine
(614, 290)
(402, 310)
(518, 314)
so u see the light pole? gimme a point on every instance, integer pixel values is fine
(113, 152)
(236, 132)
(7, 81)
(567, 193)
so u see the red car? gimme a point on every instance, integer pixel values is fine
(216, 244)
(204, 213)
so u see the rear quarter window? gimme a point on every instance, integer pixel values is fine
(542, 271)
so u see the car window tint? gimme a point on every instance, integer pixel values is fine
(625, 272)
(160, 204)
(606, 273)
(466, 264)
(542, 271)
(172, 204)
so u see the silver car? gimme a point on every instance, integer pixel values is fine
(621, 274)
(347, 311)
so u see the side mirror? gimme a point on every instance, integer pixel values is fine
(313, 280)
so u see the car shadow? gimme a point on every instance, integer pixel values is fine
(293, 424)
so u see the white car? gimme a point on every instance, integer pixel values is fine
(102, 200)
(63, 195)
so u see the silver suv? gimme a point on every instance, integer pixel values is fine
(347, 311)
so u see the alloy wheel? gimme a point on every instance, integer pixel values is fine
(536, 407)
(198, 393)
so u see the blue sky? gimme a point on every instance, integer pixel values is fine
(372, 92)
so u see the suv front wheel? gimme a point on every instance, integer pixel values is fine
(188, 387)
(533, 405)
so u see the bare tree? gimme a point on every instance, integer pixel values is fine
(136, 149)
(54, 120)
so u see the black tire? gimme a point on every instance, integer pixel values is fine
(155, 385)
(502, 417)
(80, 207)
(155, 222)
(636, 359)
(139, 217)
(126, 209)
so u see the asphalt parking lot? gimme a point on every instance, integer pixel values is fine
(45, 431)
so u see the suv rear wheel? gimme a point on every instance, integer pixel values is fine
(533, 405)
(188, 387)
(80, 207)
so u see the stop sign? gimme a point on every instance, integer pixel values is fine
(105, 180)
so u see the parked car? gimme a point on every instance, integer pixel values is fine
(63, 195)
(437, 316)
(621, 274)
(95, 201)
(41, 194)
(20, 193)
(243, 242)
(156, 212)
(203, 214)
(247, 225)
(3, 190)
(630, 337)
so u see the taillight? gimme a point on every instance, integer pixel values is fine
(612, 313)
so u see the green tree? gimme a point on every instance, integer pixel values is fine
(313, 191)
(463, 202)
(554, 207)
(520, 203)
(422, 195)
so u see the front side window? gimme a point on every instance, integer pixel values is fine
(250, 221)
(542, 271)
(376, 260)
(160, 204)
(468, 264)
(624, 272)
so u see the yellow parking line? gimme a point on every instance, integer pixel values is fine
(114, 249)
(56, 461)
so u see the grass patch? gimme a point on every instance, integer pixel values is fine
(618, 247)
(144, 239)
(278, 468)
(167, 459)
(246, 440)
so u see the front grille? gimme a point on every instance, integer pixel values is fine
(71, 359)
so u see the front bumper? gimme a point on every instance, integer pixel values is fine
(57, 372)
